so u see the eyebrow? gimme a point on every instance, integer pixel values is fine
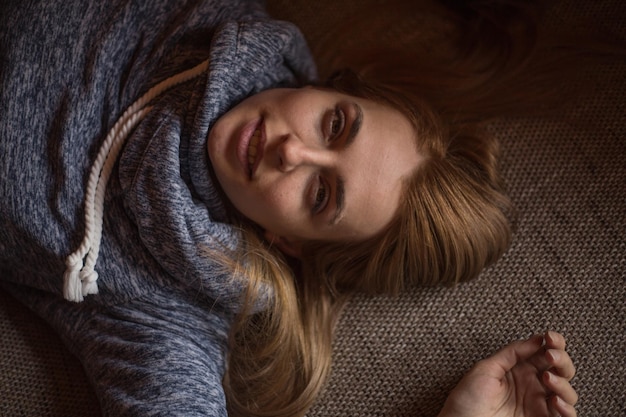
(356, 124)
(340, 198)
(340, 191)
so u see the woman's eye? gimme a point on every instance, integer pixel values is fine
(337, 123)
(321, 195)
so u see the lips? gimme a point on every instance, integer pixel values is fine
(250, 147)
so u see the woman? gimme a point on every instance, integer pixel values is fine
(181, 291)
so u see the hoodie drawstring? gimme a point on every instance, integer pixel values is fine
(80, 277)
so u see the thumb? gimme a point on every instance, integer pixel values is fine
(506, 358)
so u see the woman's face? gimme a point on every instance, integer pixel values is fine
(313, 164)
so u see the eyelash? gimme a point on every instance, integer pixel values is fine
(335, 130)
(318, 204)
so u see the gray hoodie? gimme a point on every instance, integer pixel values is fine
(153, 340)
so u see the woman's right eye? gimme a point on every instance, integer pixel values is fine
(337, 123)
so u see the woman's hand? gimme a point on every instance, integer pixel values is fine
(528, 378)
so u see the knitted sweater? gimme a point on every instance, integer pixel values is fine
(153, 340)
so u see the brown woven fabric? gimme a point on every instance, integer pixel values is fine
(38, 376)
(566, 269)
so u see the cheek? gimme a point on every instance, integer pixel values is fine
(262, 205)
(277, 201)
(279, 210)
(266, 213)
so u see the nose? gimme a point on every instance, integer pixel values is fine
(293, 153)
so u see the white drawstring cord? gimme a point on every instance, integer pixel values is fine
(80, 278)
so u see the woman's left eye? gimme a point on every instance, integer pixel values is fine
(321, 195)
(337, 123)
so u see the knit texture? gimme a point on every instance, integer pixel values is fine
(153, 340)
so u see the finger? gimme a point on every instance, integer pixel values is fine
(561, 387)
(540, 361)
(561, 363)
(507, 357)
(561, 408)
(554, 340)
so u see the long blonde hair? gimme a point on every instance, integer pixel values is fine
(454, 219)
(451, 223)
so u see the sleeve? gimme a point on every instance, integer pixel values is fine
(149, 357)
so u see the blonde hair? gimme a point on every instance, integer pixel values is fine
(279, 357)
(450, 225)
(454, 219)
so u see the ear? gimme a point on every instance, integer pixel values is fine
(287, 246)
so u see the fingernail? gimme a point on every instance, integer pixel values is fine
(555, 355)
